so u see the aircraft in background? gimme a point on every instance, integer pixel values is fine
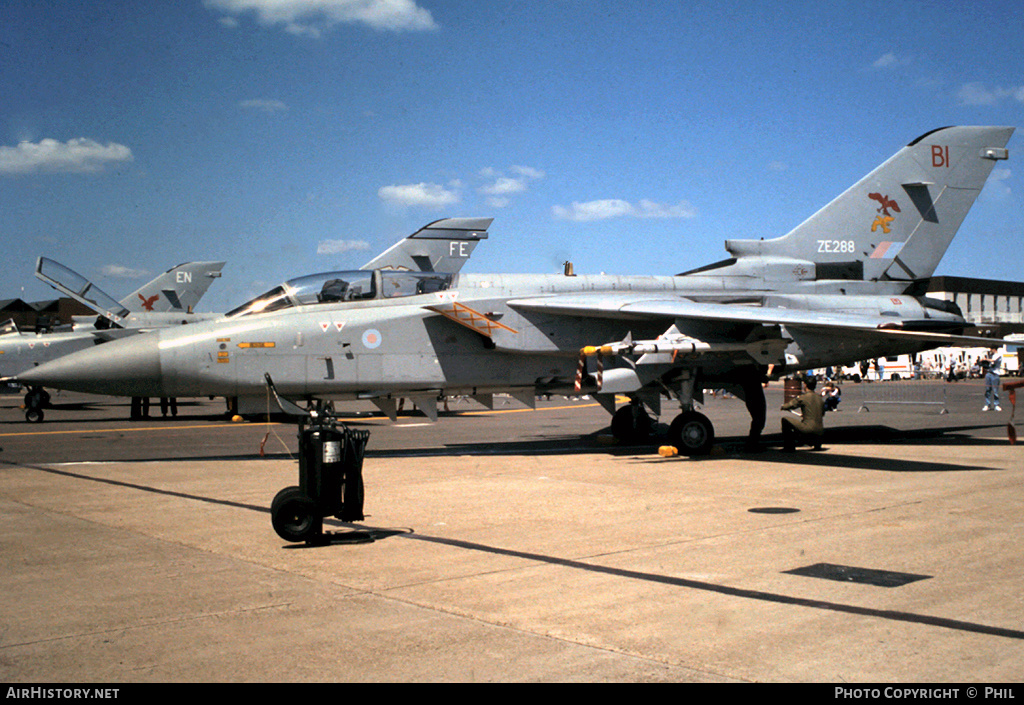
(167, 300)
(844, 285)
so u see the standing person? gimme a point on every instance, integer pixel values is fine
(809, 429)
(753, 395)
(990, 366)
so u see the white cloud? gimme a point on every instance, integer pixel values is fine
(980, 94)
(975, 94)
(77, 156)
(504, 186)
(884, 60)
(528, 172)
(266, 106)
(996, 186)
(312, 17)
(337, 247)
(118, 271)
(617, 208)
(889, 60)
(419, 195)
(497, 191)
(650, 209)
(593, 210)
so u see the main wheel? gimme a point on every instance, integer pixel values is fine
(631, 424)
(692, 433)
(294, 516)
(34, 415)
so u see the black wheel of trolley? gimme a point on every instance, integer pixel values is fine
(692, 433)
(294, 515)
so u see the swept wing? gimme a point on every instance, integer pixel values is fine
(682, 311)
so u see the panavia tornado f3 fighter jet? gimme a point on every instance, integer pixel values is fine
(845, 285)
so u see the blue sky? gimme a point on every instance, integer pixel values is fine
(296, 136)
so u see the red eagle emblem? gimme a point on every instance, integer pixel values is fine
(148, 303)
(885, 202)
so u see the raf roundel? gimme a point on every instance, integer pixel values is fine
(372, 338)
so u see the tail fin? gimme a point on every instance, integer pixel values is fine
(896, 222)
(442, 246)
(177, 290)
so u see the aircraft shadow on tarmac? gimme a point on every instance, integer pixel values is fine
(568, 444)
(830, 459)
(834, 440)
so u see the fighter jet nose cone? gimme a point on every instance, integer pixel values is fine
(128, 367)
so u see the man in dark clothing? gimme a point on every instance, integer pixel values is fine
(757, 407)
(809, 429)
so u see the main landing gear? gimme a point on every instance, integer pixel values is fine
(631, 424)
(691, 432)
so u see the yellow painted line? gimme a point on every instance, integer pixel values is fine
(139, 430)
(260, 424)
(519, 411)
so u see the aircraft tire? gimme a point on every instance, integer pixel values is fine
(692, 433)
(631, 425)
(293, 515)
(34, 415)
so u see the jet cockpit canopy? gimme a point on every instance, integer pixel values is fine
(337, 287)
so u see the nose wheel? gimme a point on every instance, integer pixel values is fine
(36, 400)
(692, 433)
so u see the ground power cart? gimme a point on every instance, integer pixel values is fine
(330, 482)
